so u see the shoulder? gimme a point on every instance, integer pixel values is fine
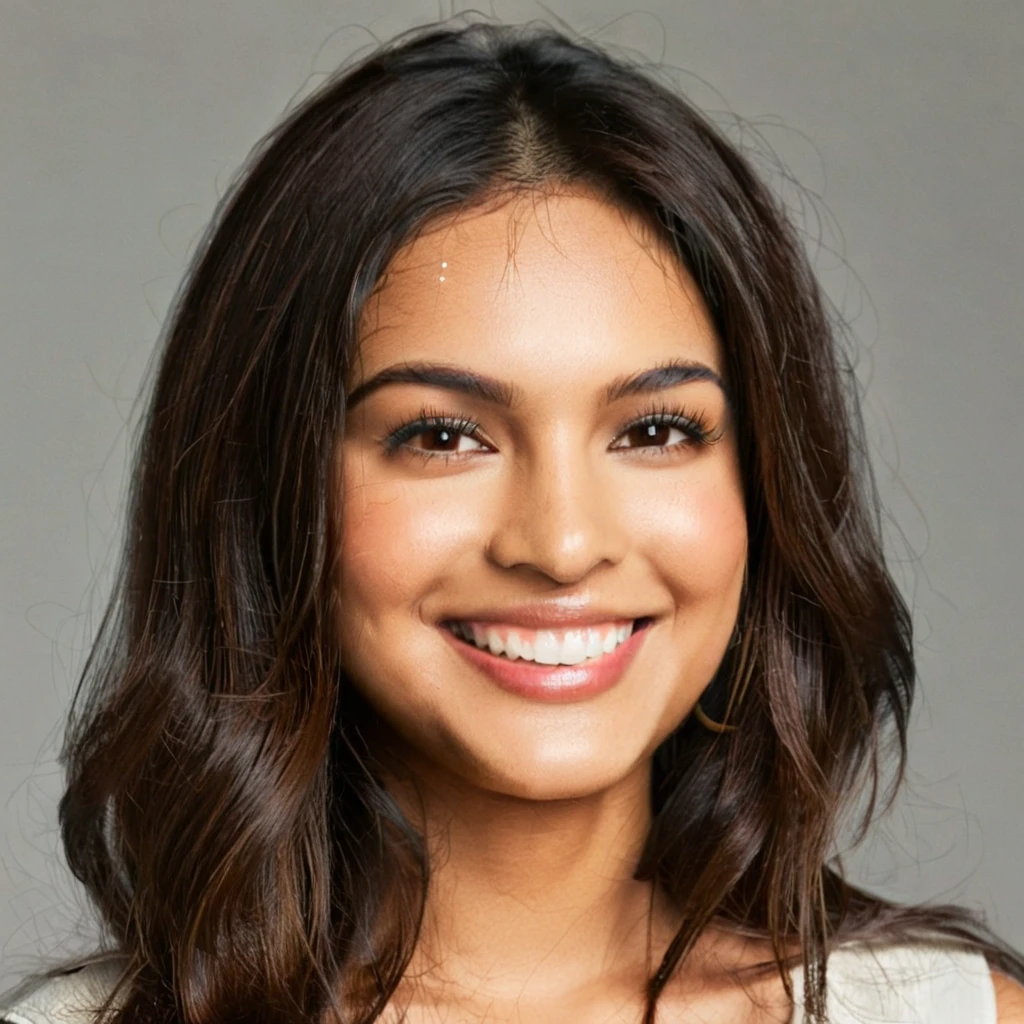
(1009, 999)
(72, 998)
(909, 983)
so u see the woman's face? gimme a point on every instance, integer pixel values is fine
(539, 497)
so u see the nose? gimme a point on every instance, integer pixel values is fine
(559, 515)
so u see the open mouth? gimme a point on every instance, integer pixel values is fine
(586, 645)
(550, 666)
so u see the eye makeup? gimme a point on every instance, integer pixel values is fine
(652, 422)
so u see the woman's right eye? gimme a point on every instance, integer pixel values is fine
(441, 431)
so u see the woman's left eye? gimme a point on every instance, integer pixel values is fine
(658, 427)
(653, 433)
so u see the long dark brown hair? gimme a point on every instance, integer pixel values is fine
(223, 807)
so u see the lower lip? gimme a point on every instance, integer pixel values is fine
(554, 683)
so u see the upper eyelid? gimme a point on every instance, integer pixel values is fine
(466, 426)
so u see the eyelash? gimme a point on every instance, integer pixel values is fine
(695, 425)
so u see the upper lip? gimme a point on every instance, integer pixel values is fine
(540, 616)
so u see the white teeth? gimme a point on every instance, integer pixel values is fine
(545, 648)
(513, 649)
(548, 647)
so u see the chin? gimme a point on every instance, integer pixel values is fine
(572, 785)
(560, 769)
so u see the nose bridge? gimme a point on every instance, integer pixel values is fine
(558, 514)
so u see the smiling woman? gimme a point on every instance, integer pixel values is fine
(502, 627)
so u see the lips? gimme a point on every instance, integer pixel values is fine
(553, 683)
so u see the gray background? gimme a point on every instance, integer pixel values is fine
(903, 120)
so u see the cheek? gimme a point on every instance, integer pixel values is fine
(379, 539)
(693, 529)
(397, 541)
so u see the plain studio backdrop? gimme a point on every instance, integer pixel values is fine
(901, 120)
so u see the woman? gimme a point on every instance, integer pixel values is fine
(503, 625)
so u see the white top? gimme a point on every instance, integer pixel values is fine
(904, 984)
(898, 984)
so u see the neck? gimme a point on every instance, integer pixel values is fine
(534, 895)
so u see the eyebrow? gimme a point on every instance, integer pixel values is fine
(665, 375)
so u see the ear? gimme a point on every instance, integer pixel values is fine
(1009, 999)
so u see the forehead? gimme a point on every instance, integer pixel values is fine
(552, 284)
